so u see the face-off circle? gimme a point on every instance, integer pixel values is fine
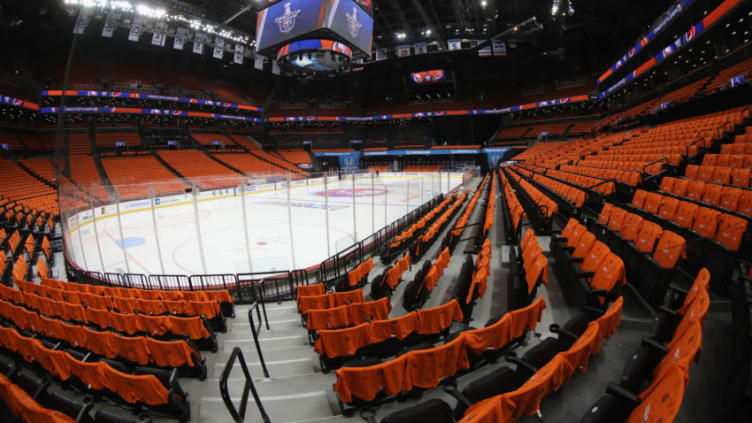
(349, 192)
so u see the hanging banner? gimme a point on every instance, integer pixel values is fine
(239, 51)
(258, 62)
(275, 68)
(380, 54)
(499, 47)
(181, 34)
(403, 51)
(110, 24)
(349, 161)
(159, 36)
(494, 155)
(454, 44)
(198, 43)
(486, 50)
(84, 16)
(219, 48)
(136, 28)
(421, 48)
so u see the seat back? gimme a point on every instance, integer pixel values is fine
(730, 198)
(705, 173)
(547, 379)
(616, 221)
(671, 247)
(741, 177)
(576, 234)
(731, 230)
(668, 207)
(342, 342)
(701, 283)
(661, 401)
(667, 184)
(706, 222)
(647, 236)
(584, 245)
(695, 189)
(594, 257)
(435, 320)
(609, 273)
(609, 322)
(639, 198)
(722, 175)
(652, 202)
(578, 355)
(712, 194)
(602, 217)
(683, 349)
(745, 203)
(632, 224)
(691, 172)
(680, 187)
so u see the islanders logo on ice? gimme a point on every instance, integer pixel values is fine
(286, 22)
(352, 22)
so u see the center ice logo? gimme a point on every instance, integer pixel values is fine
(349, 192)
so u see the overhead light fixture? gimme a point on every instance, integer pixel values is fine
(483, 3)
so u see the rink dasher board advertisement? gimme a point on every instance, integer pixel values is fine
(84, 217)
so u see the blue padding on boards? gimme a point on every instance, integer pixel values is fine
(130, 242)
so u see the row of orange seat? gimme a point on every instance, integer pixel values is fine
(209, 309)
(516, 211)
(360, 273)
(465, 217)
(347, 342)
(720, 175)
(99, 375)
(23, 406)
(348, 315)
(547, 205)
(629, 177)
(568, 192)
(222, 296)
(588, 182)
(728, 197)
(737, 161)
(313, 297)
(429, 236)
(640, 164)
(192, 327)
(723, 227)
(490, 216)
(407, 234)
(142, 350)
(427, 368)
(480, 274)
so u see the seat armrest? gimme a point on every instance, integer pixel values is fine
(576, 260)
(521, 363)
(623, 395)
(654, 346)
(453, 391)
(585, 275)
(563, 333)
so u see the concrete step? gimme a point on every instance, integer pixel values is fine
(299, 398)
(299, 366)
(270, 340)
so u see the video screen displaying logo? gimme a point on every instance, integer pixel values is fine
(288, 20)
(428, 77)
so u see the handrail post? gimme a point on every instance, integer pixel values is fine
(249, 387)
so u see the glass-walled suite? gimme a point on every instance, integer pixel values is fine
(238, 224)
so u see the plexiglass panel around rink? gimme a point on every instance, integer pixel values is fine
(235, 225)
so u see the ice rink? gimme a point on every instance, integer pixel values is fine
(278, 237)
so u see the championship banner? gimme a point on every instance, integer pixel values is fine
(486, 50)
(454, 44)
(136, 28)
(84, 16)
(421, 48)
(499, 47)
(219, 48)
(181, 34)
(403, 51)
(198, 43)
(239, 52)
(110, 24)
(428, 77)
(258, 62)
(160, 34)
(275, 68)
(380, 54)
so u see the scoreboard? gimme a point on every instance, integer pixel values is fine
(291, 20)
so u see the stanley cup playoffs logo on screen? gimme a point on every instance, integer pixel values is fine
(286, 21)
(352, 22)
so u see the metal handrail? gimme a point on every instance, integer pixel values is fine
(693, 143)
(249, 387)
(255, 331)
